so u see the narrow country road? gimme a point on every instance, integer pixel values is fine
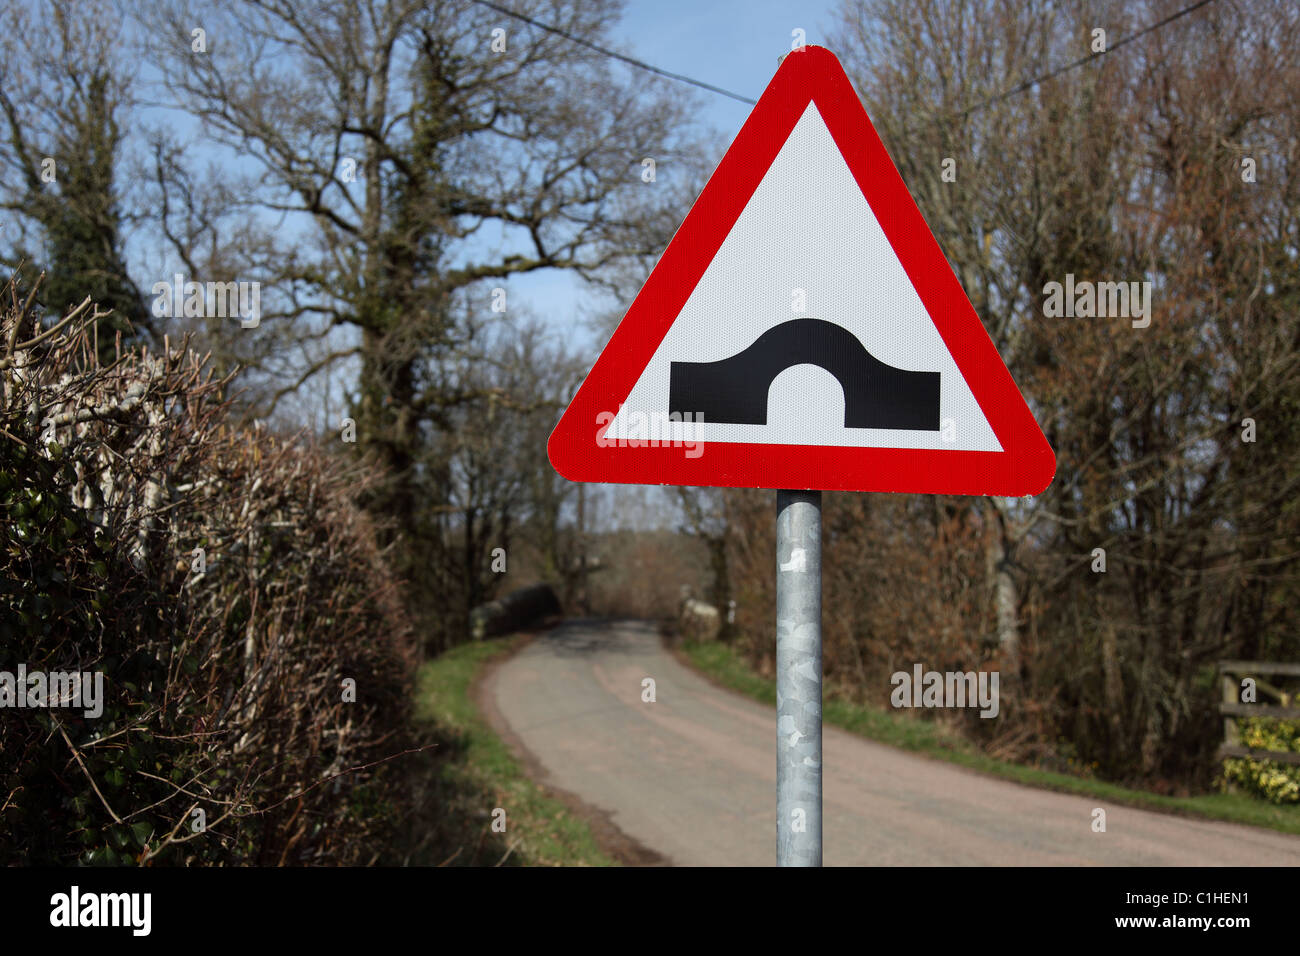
(692, 775)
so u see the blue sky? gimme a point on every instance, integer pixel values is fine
(733, 44)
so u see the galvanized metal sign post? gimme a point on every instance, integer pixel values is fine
(798, 678)
(803, 330)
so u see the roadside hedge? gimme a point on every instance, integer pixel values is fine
(227, 587)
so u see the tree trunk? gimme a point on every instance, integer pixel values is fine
(1005, 599)
(386, 429)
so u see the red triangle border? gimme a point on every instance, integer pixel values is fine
(1025, 466)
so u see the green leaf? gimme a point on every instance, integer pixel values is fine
(141, 831)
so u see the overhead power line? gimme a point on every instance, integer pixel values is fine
(1029, 84)
(1020, 88)
(611, 53)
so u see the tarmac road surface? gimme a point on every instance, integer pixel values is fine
(692, 776)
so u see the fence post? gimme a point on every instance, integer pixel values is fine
(1230, 737)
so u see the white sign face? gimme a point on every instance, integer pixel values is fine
(808, 245)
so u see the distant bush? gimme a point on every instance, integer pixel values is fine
(1268, 779)
(223, 667)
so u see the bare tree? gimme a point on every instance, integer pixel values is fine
(491, 480)
(1168, 161)
(62, 112)
(426, 161)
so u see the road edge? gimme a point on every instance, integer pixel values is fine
(1137, 800)
(625, 849)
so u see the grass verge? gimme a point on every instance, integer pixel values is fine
(476, 773)
(726, 667)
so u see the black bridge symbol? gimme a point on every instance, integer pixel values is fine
(735, 389)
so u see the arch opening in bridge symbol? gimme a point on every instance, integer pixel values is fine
(735, 390)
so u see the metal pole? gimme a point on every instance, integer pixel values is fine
(583, 608)
(798, 678)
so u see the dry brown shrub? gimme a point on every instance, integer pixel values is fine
(223, 676)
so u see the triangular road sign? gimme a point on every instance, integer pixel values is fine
(803, 330)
